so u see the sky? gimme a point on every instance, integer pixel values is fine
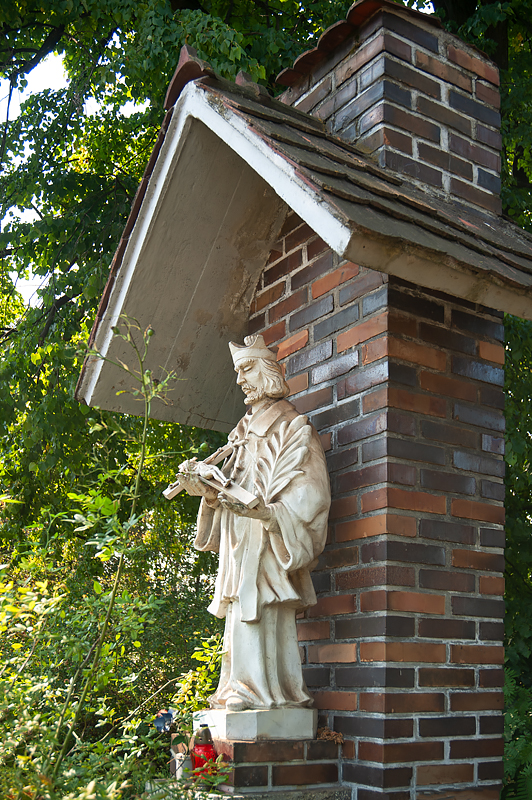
(47, 75)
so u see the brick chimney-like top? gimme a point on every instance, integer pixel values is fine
(390, 81)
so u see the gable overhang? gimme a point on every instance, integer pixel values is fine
(215, 203)
(204, 232)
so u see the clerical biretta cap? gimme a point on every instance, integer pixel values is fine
(253, 347)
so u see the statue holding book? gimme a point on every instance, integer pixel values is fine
(264, 509)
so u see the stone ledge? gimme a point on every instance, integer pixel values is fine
(488, 793)
(171, 790)
(293, 794)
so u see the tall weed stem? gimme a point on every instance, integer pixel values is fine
(148, 390)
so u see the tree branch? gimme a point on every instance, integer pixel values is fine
(521, 178)
(56, 305)
(6, 124)
(47, 47)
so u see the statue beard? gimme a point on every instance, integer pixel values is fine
(253, 395)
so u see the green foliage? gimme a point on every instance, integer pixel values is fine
(47, 642)
(518, 736)
(518, 627)
(212, 774)
(43, 662)
(196, 685)
(76, 654)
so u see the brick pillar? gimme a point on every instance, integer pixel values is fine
(418, 98)
(404, 650)
(261, 768)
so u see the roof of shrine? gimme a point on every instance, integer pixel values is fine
(229, 163)
(366, 198)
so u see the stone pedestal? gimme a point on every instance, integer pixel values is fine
(254, 725)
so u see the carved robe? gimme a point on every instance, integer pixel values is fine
(264, 572)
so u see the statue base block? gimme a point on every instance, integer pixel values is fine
(259, 724)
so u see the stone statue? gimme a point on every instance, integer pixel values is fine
(267, 551)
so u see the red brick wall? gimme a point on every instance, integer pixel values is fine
(419, 98)
(272, 766)
(403, 651)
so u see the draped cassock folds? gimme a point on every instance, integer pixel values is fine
(264, 571)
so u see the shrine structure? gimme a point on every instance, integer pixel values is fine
(355, 222)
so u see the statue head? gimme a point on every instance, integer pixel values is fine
(259, 374)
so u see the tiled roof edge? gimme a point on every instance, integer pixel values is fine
(337, 33)
(189, 68)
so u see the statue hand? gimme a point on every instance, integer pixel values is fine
(189, 478)
(261, 511)
(211, 471)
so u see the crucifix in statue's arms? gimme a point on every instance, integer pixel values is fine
(209, 474)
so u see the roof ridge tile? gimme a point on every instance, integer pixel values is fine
(189, 68)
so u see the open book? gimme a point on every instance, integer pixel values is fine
(231, 490)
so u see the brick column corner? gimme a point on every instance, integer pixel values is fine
(403, 651)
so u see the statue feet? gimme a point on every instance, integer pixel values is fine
(235, 703)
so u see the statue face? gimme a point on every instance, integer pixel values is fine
(251, 381)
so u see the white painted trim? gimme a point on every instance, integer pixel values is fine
(271, 166)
